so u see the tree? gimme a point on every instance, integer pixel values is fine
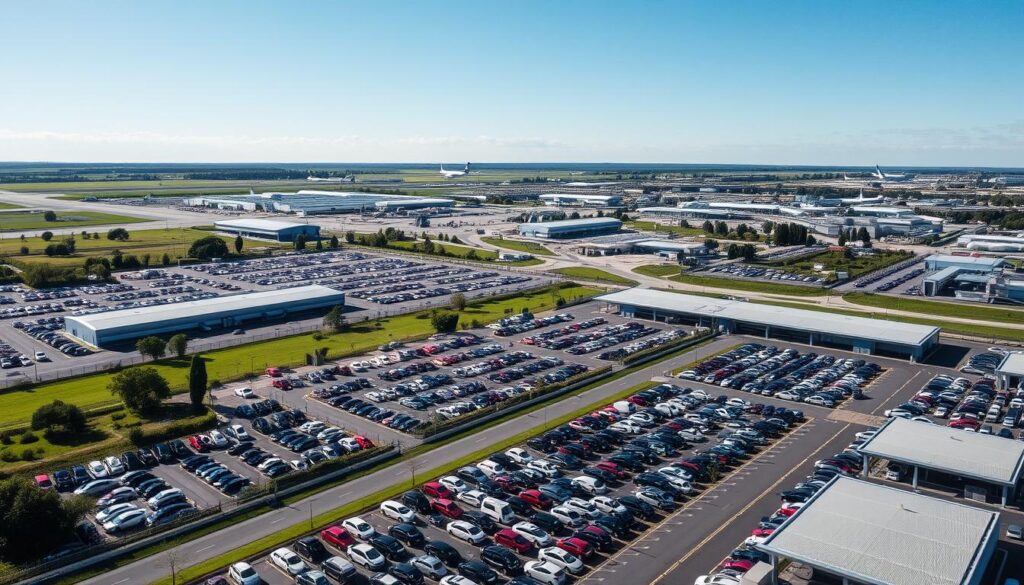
(197, 382)
(863, 236)
(33, 522)
(239, 242)
(335, 318)
(444, 321)
(141, 389)
(49, 216)
(334, 243)
(428, 246)
(47, 236)
(178, 344)
(24, 250)
(166, 260)
(711, 244)
(748, 251)
(457, 302)
(350, 237)
(59, 414)
(152, 346)
(208, 247)
(810, 240)
(300, 242)
(842, 239)
(733, 251)
(319, 244)
(118, 234)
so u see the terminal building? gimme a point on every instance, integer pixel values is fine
(858, 334)
(305, 203)
(963, 273)
(227, 312)
(269, 229)
(571, 228)
(634, 243)
(857, 532)
(580, 200)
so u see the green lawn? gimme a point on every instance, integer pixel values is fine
(460, 251)
(21, 221)
(10, 206)
(749, 285)
(938, 308)
(658, 270)
(836, 260)
(595, 274)
(650, 226)
(519, 246)
(17, 405)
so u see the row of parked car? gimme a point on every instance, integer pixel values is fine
(745, 271)
(887, 286)
(48, 331)
(983, 363)
(422, 292)
(642, 345)
(546, 338)
(878, 275)
(524, 322)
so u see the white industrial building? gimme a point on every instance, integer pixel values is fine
(580, 200)
(268, 229)
(986, 243)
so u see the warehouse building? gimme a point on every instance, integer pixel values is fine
(571, 228)
(269, 229)
(634, 243)
(858, 334)
(853, 531)
(674, 215)
(1010, 371)
(308, 202)
(976, 465)
(987, 243)
(227, 312)
(580, 200)
(973, 263)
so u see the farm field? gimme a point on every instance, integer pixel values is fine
(20, 221)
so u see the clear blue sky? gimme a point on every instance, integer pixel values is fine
(899, 83)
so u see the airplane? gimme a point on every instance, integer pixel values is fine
(861, 199)
(345, 179)
(453, 174)
(878, 174)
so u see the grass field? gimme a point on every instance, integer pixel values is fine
(650, 226)
(17, 405)
(20, 221)
(10, 206)
(749, 285)
(938, 308)
(519, 246)
(835, 260)
(658, 270)
(458, 251)
(596, 274)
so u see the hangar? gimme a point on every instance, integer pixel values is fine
(574, 200)
(571, 228)
(269, 229)
(854, 531)
(225, 312)
(859, 334)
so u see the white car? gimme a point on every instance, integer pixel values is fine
(545, 572)
(456, 580)
(366, 556)
(218, 439)
(238, 432)
(429, 566)
(865, 435)
(97, 470)
(543, 466)
(591, 485)
(271, 461)
(627, 427)
(562, 558)
(289, 562)
(717, 579)
(312, 427)
(113, 465)
(583, 507)
(567, 516)
(396, 511)
(465, 531)
(608, 505)
(533, 533)
(245, 392)
(453, 483)
(242, 573)
(680, 479)
(41, 357)
(491, 468)
(111, 512)
(520, 456)
(330, 434)
(96, 487)
(125, 520)
(358, 528)
(472, 497)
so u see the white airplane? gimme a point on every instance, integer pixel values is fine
(345, 179)
(861, 199)
(878, 174)
(453, 174)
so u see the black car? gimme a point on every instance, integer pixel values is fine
(80, 475)
(638, 507)
(602, 474)
(628, 461)
(179, 449)
(239, 448)
(147, 457)
(566, 461)
(619, 527)
(131, 461)
(480, 520)
(389, 547)
(444, 551)
(749, 554)
(502, 559)
(406, 574)
(63, 480)
(311, 549)
(595, 535)
(163, 453)
(540, 444)
(478, 572)
(613, 437)
(407, 534)
(504, 460)
(546, 521)
(194, 462)
(152, 487)
(136, 478)
(519, 505)
(416, 500)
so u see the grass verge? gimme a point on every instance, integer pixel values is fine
(650, 226)
(657, 270)
(593, 274)
(938, 308)
(737, 284)
(519, 246)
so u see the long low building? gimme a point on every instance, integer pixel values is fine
(571, 228)
(225, 312)
(269, 229)
(854, 531)
(309, 202)
(580, 200)
(859, 334)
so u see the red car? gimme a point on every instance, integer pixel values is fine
(612, 467)
(363, 442)
(506, 483)
(742, 565)
(513, 540)
(337, 536)
(576, 546)
(762, 531)
(787, 512)
(274, 372)
(436, 490)
(536, 499)
(281, 384)
(965, 423)
(637, 400)
(446, 507)
(199, 444)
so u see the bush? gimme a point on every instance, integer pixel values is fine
(27, 437)
(444, 321)
(118, 234)
(118, 416)
(49, 216)
(208, 247)
(8, 456)
(318, 336)
(24, 250)
(46, 236)
(136, 436)
(28, 455)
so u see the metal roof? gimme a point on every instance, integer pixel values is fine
(975, 455)
(967, 260)
(877, 534)
(579, 196)
(577, 223)
(204, 307)
(270, 225)
(1012, 364)
(800, 319)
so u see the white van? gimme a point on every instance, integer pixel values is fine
(499, 510)
(624, 407)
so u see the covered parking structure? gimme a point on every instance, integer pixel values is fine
(974, 463)
(857, 334)
(858, 532)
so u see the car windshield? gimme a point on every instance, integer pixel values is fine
(246, 572)
(372, 554)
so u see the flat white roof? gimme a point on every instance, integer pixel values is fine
(974, 260)
(578, 196)
(270, 225)
(801, 319)
(1012, 364)
(978, 456)
(877, 534)
(204, 307)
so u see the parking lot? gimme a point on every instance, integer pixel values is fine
(760, 273)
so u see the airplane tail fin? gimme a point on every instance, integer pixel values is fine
(467, 167)
(880, 175)
(442, 167)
